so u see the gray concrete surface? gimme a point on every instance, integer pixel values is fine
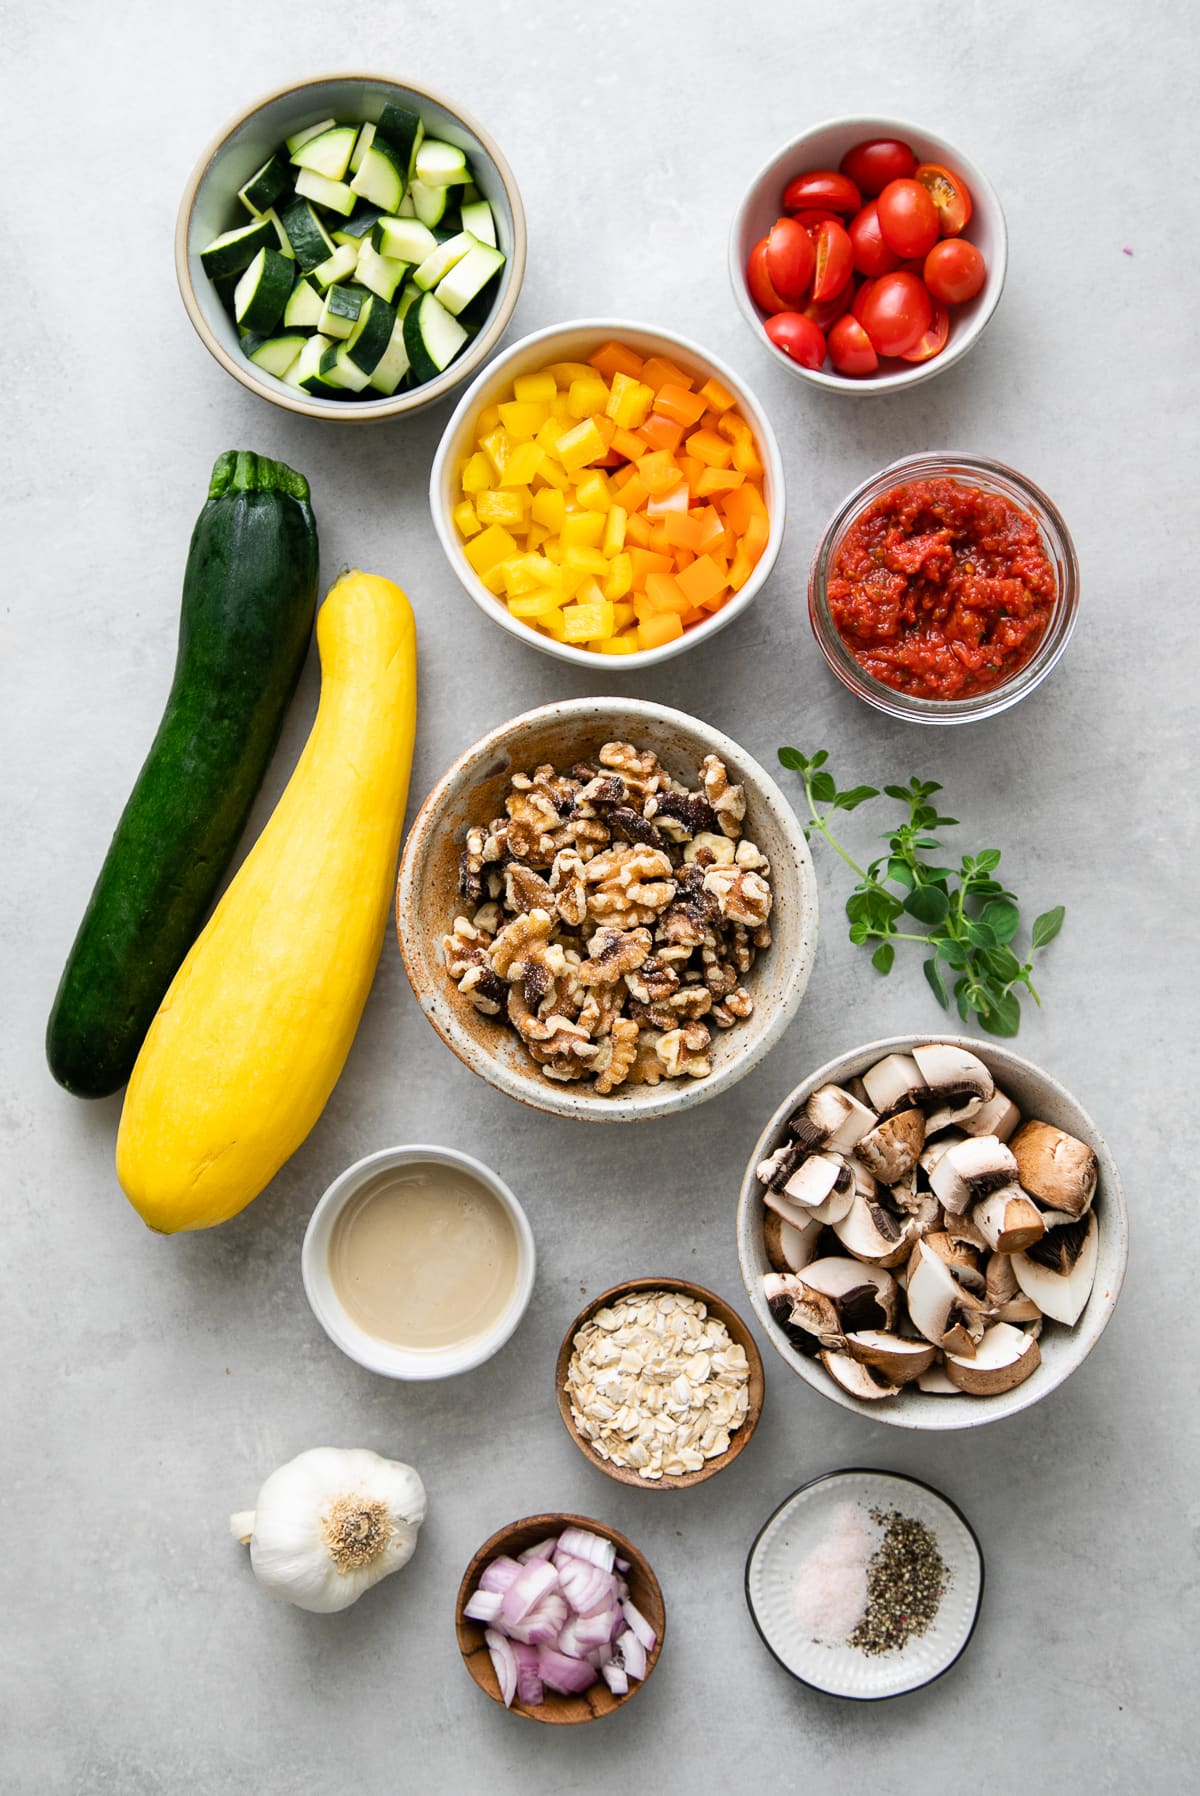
(150, 1384)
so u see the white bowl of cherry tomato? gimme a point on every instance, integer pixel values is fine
(869, 254)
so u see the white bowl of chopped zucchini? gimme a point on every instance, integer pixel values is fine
(351, 247)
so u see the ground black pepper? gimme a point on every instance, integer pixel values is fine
(906, 1580)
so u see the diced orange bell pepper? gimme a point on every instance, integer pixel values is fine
(655, 632)
(691, 470)
(643, 563)
(675, 500)
(702, 581)
(676, 402)
(715, 396)
(718, 480)
(694, 616)
(712, 450)
(625, 442)
(638, 530)
(740, 568)
(736, 508)
(659, 432)
(712, 530)
(631, 490)
(663, 592)
(659, 472)
(683, 529)
(616, 358)
(658, 372)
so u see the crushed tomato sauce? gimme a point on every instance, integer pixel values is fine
(942, 590)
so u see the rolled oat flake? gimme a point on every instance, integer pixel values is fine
(906, 1580)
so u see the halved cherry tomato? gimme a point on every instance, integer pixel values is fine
(954, 271)
(759, 281)
(828, 311)
(834, 260)
(896, 313)
(872, 165)
(790, 259)
(934, 340)
(798, 337)
(850, 349)
(949, 194)
(908, 218)
(813, 216)
(861, 297)
(871, 254)
(823, 187)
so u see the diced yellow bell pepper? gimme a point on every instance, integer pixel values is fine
(582, 528)
(561, 409)
(630, 401)
(487, 420)
(565, 372)
(587, 396)
(589, 561)
(535, 389)
(615, 645)
(623, 615)
(551, 471)
(477, 474)
(523, 421)
(581, 445)
(586, 622)
(592, 491)
(550, 436)
(494, 579)
(552, 623)
(465, 519)
(591, 593)
(549, 508)
(539, 604)
(524, 465)
(614, 531)
(497, 446)
(492, 546)
(507, 506)
(619, 580)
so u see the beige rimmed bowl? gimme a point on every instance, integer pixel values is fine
(572, 343)
(210, 205)
(472, 790)
(1036, 1094)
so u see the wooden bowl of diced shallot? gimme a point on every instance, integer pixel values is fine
(559, 1619)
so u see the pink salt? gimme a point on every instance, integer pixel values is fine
(830, 1589)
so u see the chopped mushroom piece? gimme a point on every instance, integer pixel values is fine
(894, 1083)
(890, 1149)
(1003, 1359)
(1056, 1295)
(866, 1296)
(998, 1116)
(789, 1249)
(958, 1082)
(939, 1307)
(1056, 1168)
(871, 1231)
(935, 1383)
(837, 1119)
(859, 1380)
(970, 1170)
(895, 1356)
(1008, 1220)
(817, 1178)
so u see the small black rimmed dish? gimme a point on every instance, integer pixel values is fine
(807, 1519)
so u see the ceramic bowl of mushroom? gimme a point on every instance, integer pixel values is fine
(932, 1231)
(607, 909)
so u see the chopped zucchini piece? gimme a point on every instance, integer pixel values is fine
(334, 195)
(337, 369)
(264, 188)
(362, 144)
(442, 260)
(233, 251)
(306, 370)
(328, 153)
(365, 218)
(275, 355)
(403, 239)
(390, 371)
(379, 273)
(429, 203)
(432, 337)
(263, 291)
(406, 209)
(339, 314)
(381, 175)
(306, 234)
(337, 267)
(469, 276)
(367, 343)
(477, 218)
(404, 130)
(304, 307)
(298, 137)
(440, 164)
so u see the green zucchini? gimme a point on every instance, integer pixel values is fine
(249, 594)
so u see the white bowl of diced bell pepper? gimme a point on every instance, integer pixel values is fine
(574, 582)
(297, 193)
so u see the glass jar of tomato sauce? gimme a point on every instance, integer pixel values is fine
(944, 589)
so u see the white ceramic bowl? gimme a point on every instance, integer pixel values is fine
(368, 1350)
(575, 342)
(1036, 1094)
(210, 205)
(472, 790)
(823, 147)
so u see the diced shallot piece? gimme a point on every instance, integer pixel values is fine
(504, 1659)
(615, 1677)
(529, 1678)
(499, 1574)
(483, 1606)
(543, 1550)
(633, 1653)
(639, 1625)
(567, 1676)
(542, 1625)
(534, 1581)
(579, 1543)
(585, 1586)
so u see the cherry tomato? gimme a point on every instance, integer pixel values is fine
(954, 271)
(813, 216)
(834, 260)
(822, 187)
(798, 337)
(872, 165)
(861, 297)
(871, 254)
(850, 349)
(908, 218)
(790, 259)
(828, 311)
(949, 195)
(934, 340)
(759, 281)
(896, 313)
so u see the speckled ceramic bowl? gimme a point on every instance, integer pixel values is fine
(1036, 1094)
(471, 791)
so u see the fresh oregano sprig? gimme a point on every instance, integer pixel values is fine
(971, 918)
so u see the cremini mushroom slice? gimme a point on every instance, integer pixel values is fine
(835, 1118)
(784, 1207)
(970, 1170)
(894, 1083)
(1003, 1359)
(775, 1171)
(938, 1306)
(958, 1083)
(898, 1358)
(1060, 1295)
(998, 1116)
(1008, 1220)
(820, 1177)
(1008, 1302)
(871, 1230)
(789, 1249)
(890, 1149)
(803, 1311)
(935, 1383)
(934, 1149)
(963, 1232)
(1055, 1168)
(860, 1380)
(962, 1257)
(866, 1296)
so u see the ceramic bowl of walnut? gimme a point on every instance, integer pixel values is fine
(607, 909)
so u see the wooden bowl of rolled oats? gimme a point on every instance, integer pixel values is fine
(659, 1383)
(607, 909)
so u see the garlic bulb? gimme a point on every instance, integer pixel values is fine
(331, 1523)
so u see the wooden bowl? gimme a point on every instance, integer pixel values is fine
(738, 1331)
(644, 1592)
